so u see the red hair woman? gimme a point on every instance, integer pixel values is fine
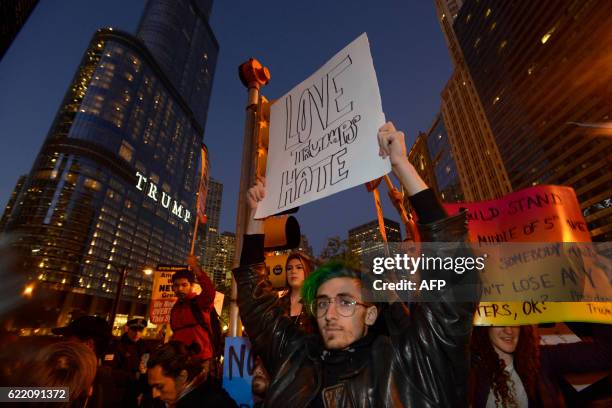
(298, 267)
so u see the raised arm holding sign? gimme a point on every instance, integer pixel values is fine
(421, 359)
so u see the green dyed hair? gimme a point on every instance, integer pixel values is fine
(327, 271)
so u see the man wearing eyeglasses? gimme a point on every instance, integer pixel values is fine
(419, 360)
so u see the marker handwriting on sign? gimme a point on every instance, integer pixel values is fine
(296, 183)
(241, 363)
(325, 99)
(535, 201)
(322, 133)
(514, 310)
(324, 103)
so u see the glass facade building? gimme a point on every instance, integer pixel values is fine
(13, 15)
(443, 163)
(210, 231)
(12, 202)
(178, 35)
(366, 241)
(114, 185)
(542, 71)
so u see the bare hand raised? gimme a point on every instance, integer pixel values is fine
(392, 144)
(253, 197)
(256, 193)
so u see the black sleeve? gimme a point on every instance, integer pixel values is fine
(252, 249)
(427, 206)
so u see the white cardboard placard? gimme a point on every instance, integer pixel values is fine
(323, 133)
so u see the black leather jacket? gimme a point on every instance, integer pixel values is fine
(423, 363)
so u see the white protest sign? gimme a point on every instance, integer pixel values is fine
(323, 133)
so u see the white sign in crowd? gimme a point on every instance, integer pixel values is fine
(323, 133)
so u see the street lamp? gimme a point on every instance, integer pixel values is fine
(27, 291)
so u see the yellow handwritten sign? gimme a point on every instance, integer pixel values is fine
(537, 214)
(535, 312)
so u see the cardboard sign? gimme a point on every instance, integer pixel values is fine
(323, 133)
(162, 294)
(535, 214)
(545, 214)
(238, 366)
(535, 312)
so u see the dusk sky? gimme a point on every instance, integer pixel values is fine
(293, 39)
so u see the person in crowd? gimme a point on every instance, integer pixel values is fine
(297, 267)
(131, 352)
(259, 383)
(190, 317)
(422, 361)
(68, 364)
(95, 333)
(511, 369)
(176, 376)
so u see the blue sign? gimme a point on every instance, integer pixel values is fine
(238, 365)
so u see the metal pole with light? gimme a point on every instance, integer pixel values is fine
(253, 76)
(122, 277)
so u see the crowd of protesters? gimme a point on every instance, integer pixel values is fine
(318, 344)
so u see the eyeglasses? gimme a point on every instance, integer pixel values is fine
(345, 305)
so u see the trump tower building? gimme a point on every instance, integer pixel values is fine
(114, 185)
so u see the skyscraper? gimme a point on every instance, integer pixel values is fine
(13, 15)
(481, 173)
(421, 160)
(208, 246)
(114, 183)
(365, 240)
(542, 73)
(223, 260)
(178, 35)
(433, 158)
(12, 201)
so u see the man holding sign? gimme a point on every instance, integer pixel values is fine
(190, 318)
(421, 360)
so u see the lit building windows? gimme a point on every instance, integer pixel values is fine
(126, 151)
(530, 70)
(547, 36)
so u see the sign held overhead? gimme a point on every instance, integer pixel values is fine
(323, 133)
